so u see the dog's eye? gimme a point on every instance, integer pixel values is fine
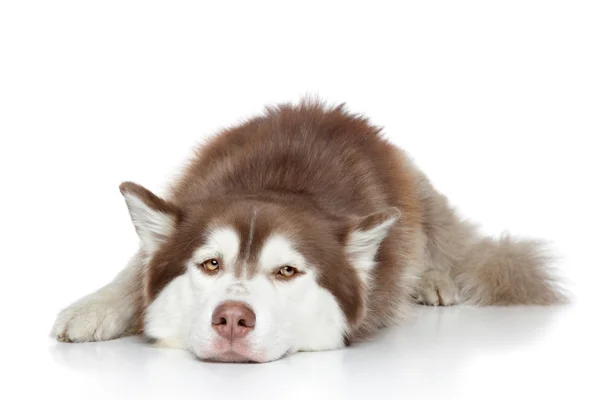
(287, 271)
(211, 265)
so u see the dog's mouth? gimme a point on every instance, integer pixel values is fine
(225, 351)
(235, 353)
(231, 356)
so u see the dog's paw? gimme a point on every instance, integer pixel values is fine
(436, 288)
(94, 318)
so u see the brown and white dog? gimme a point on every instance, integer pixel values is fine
(299, 230)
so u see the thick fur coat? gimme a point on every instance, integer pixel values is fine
(308, 223)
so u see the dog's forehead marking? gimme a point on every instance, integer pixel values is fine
(251, 231)
(242, 263)
(248, 247)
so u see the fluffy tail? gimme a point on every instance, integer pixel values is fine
(486, 271)
(506, 271)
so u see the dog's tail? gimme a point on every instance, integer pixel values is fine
(506, 271)
(487, 271)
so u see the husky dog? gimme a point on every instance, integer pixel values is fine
(301, 229)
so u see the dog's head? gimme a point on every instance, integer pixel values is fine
(252, 280)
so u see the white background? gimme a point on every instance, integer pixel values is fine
(498, 102)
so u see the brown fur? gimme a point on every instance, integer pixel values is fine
(319, 168)
(316, 173)
(309, 166)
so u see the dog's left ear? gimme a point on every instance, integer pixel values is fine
(365, 236)
(154, 218)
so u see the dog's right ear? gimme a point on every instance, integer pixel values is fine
(154, 218)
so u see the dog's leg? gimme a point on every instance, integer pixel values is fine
(463, 266)
(447, 239)
(109, 313)
(436, 287)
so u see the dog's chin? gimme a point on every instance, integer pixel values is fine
(233, 355)
(230, 356)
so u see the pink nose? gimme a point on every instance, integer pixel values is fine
(233, 320)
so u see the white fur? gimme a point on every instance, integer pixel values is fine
(151, 225)
(110, 311)
(291, 316)
(223, 243)
(168, 318)
(363, 245)
(278, 252)
(105, 314)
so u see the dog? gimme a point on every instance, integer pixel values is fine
(301, 229)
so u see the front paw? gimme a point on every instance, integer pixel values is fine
(94, 318)
(436, 288)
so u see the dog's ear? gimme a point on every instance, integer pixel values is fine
(364, 236)
(154, 218)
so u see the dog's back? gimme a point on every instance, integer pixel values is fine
(338, 161)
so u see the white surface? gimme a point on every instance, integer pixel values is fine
(455, 352)
(497, 101)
